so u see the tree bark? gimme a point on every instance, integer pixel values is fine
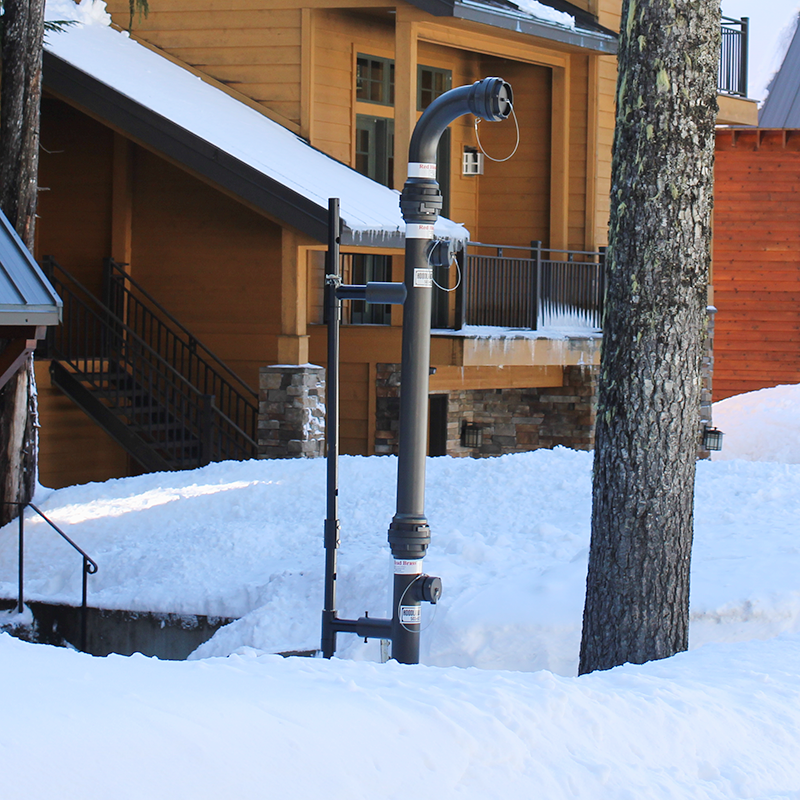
(20, 100)
(637, 598)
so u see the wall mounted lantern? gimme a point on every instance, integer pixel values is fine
(471, 435)
(712, 438)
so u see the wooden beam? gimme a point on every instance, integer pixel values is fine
(501, 44)
(122, 199)
(405, 92)
(293, 340)
(593, 93)
(13, 357)
(559, 159)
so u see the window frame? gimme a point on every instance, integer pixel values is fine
(386, 83)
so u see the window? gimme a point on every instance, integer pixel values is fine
(375, 80)
(375, 148)
(431, 82)
(360, 269)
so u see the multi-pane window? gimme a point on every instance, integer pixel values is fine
(375, 80)
(375, 148)
(360, 269)
(431, 82)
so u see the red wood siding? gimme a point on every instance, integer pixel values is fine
(756, 260)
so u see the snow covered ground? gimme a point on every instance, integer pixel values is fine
(510, 540)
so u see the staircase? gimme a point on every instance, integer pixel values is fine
(135, 370)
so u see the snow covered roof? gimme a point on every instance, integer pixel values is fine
(167, 108)
(556, 20)
(26, 296)
(781, 109)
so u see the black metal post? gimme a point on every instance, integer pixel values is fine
(745, 47)
(85, 602)
(21, 509)
(537, 245)
(332, 525)
(421, 202)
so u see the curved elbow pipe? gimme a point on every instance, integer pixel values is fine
(490, 99)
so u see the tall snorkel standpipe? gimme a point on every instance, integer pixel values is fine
(420, 203)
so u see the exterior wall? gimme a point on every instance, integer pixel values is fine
(210, 261)
(74, 210)
(252, 49)
(756, 260)
(514, 196)
(511, 420)
(220, 276)
(72, 449)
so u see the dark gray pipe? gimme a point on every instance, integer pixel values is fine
(420, 202)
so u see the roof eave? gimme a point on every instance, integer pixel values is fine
(604, 42)
(30, 315)
(199, 156)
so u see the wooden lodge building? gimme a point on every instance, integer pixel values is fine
(186, 170)
(757, 242)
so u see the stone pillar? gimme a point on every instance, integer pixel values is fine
(291, 411)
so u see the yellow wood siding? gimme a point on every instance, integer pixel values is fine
(514, 201)
(74, 210)
(72, 449)
(221, 276)
(255, 50)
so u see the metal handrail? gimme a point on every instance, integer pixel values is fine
(161, 377)
(192, 340)
(89, 564)
(531, 247)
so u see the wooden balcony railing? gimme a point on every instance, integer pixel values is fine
(532, 288)
(732, 76)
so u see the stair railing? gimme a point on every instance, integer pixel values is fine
(89, 564)
(91, 339)
(131, 302)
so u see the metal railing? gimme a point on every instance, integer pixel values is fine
(89, 565)
(175, 418)
(131, 302)
(732, 76)
(535, 288)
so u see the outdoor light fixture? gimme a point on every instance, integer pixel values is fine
(471, 435)
(712, 438)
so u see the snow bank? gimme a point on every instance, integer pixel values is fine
(718, 723)
(510, 542)
(760, 426)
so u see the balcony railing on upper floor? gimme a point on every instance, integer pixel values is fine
(732, 77)
(531, 288)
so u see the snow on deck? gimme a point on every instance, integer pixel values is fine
(113, 58)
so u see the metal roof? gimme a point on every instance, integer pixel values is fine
(26, 296)
(587, 33)
(781, 109)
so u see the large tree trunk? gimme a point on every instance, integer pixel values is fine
(20, 95)
(637, 598)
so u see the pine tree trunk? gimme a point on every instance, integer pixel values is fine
(637, 598)
(20, 96)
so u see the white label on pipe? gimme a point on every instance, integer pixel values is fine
(423, 277)
(410, 615)
(419, 230)
(417, 169)
(408, 566)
